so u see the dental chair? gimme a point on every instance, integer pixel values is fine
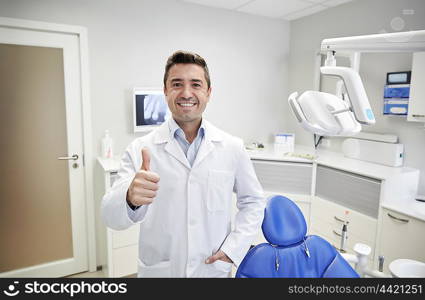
(289, 252)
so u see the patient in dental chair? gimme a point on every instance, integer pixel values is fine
(290, 253)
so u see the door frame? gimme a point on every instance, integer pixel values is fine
(88, 156)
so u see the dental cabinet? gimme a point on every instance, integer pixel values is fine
(345, 197)
(325, 185)
(338, 190)
(401, 237)
(416, 110)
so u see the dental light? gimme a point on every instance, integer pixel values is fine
(326, 114)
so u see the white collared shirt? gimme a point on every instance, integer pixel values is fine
(189, 149)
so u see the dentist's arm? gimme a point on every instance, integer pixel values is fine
(250, 203)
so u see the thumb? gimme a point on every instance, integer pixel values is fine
(146, 160)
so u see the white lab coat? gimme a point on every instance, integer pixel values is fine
(190, 218)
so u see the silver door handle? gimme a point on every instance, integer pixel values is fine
(398, 219)
(74, 157)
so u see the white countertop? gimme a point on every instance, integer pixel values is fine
(301, 154)
(413, 209)
(109, 164)
(331, 159)
(409, 207)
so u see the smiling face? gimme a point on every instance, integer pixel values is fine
(187, 92)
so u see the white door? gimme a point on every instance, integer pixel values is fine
(43, 228)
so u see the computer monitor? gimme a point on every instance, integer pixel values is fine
(150, 109)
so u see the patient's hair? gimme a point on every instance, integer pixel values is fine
(186, 57)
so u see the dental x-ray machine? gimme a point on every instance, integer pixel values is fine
(326, 114)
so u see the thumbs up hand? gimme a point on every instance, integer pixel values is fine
(146, 160)
(143, 188)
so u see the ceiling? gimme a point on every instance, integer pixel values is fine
(278, 9)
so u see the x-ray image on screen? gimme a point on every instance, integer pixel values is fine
(151, 109)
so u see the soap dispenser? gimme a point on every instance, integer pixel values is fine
(107, 145)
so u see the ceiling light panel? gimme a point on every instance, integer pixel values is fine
(228, 4)
(274, 8)
(316, 1)
(335, 2)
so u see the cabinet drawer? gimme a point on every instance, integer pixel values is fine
(333, 235)
(126, 237)
(350, 190)
(284, 177)
(401, 239)
(125, 261)
(113, 177)
(416, 110)
(333, 214)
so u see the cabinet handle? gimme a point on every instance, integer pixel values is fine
(339, 220)
(398, 219)
(418, 116)
(338, 234)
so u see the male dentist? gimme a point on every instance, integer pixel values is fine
(177, 183)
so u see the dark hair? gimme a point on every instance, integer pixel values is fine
(186, 57)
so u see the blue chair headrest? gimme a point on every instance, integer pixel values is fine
(283, 223)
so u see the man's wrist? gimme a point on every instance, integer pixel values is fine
(133, 207)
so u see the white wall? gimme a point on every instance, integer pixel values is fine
(130, 40)
(358, 18)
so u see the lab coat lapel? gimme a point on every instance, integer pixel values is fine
(162, 136)
(212, 136)
(206, 148)
(176, 151)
